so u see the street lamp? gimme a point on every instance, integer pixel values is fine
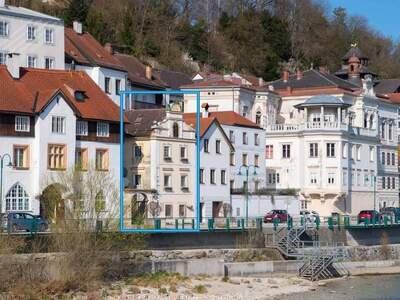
(247, 169)
(2, 160)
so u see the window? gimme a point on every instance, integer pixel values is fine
(313, 149)
(231, 184)
(81, 158)
(371, 154)
(353, 152)
(256, 160)
(388, 158)
(256, 139)
(49, 36)
(167, 183)
(49, 63)
(3, 57)
(245, 110)
(358, 147)
(22, 123)
(330, 149)
(366, 178)
(258, 118)
(393, 159)
(212, 176)
(57, 157)
(175, 130)
(383, 128)
(388, 183)
(107, 81)
(117, 86)
(383, 155)
(17, 199)
(100, 202)
(167, 153)
(206, 145)
(244, 138)
(21, 157)
(184, 156)
(103, 129)
(137, 152)
(383, 183)
(390, 131)
(31, 33)
(244, 159)
(4, 29)
(182, 210)
(331, 178)
(168, 210)
(82, 128)
(184, 183)
(31, 61)
(286, 151)
(202, 176)
(269, 152)
(393, 182)
(223, 177)
(137, 181)
(232, 158)
(102, 159)
(345, 150)
(58, 124)
(218, 146)
(232, 136)
(313, 178)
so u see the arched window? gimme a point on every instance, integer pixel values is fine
(175, 130)
(258, 118)
(17, 199)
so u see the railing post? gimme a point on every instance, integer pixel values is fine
(330, 223)
(275, 222)
(228, 225)
(176, 223)
(385, 220)
(346, 221)
(192, 223)
(183, 223)
(317, 222)
(210, 224)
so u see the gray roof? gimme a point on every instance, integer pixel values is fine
(386, 86)
(322, 100)
(23, 12)
(173, 79)
(354, 51)
(141, 121)
(313, 79)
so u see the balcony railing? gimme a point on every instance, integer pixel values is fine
(312, 126)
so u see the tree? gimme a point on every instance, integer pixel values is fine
(77, 10)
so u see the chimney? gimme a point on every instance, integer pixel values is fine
(109, 48)
(149, 72)
(2, 3)
(13, 64)
(299, 74)
(260, 81)
(205, 113)
(77, 26)
(285, 76)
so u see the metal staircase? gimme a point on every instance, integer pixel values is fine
(318, 261)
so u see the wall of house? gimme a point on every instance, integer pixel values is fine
(17, 41)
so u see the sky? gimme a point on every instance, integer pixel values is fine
(382, 15)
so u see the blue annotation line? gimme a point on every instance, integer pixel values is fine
(121, 201)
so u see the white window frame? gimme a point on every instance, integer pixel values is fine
(82, 128)
(218, 146)
(331, 178)
(103, 129)
(167, 152)
(22, 124)
(31, 33)
(223, 177)
(286, 151)
(184, 181)
(5, 26)
(330, 150)
(34, 60)
(51, 61)
(58, 124)
(51, 41)
(3, 57)
(313, 151)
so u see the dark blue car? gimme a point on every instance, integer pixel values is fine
(16, 221)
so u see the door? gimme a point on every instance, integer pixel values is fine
(216, 208)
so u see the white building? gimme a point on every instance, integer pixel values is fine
(84, 53)
(30, 39)
(331, 141)
(50, 121)
(215, 152)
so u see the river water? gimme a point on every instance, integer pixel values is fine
(360, 287)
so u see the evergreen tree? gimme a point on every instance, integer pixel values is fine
(77, 10)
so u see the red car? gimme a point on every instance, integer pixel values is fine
(280, 214)
(372, 215)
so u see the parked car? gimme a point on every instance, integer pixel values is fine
(280, 214)
(391, 211)
(372, 215)
(309, 216)
(24, 222)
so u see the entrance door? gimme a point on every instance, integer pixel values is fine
(216, 209)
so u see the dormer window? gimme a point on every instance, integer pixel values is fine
(82, 128)
(103, 129)
(175, 130)
(80, 96)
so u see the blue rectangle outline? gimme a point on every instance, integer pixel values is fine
(121, 200)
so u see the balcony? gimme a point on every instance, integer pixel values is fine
(320, 126)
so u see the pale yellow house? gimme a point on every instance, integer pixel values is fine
(159, 165)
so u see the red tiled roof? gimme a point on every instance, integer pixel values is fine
(205, 123)
(36, 87)
(394, 98)
(86, 50)
(229, 118)
(212, 83)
